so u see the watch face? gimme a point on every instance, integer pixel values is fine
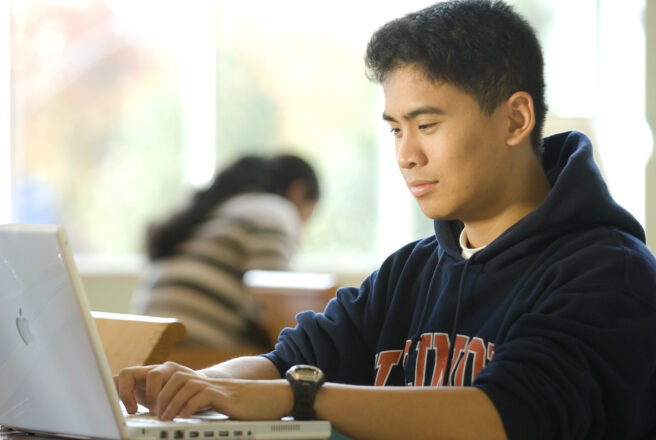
(307, 373)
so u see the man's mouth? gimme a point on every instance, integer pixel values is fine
(419, 188)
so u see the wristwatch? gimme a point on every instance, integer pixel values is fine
(305, 381)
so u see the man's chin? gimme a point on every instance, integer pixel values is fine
(437, 215)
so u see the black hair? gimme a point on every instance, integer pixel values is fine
(482, 47)
(285, 169)
(247, 174)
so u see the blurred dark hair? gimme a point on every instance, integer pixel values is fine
(247, 174)
(285, 169)
(482, 47)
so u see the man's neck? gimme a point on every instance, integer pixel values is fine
(533, 190)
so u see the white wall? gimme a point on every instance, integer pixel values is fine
(110, 292)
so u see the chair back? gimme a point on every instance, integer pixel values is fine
(131, 340)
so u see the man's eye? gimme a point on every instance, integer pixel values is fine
(426, 126)
(395, 131)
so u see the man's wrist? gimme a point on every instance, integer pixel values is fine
(287, 395)
(305, 381)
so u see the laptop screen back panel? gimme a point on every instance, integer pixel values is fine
(49, 369)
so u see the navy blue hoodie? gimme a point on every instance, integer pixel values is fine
(555, 319)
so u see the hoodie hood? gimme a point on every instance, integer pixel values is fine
(578, 199)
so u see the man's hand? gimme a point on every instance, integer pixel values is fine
(143, 384)
(185, 393)
(170, 390)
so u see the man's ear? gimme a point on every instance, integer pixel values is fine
(521, 118)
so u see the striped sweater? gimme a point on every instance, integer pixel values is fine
(202, 283)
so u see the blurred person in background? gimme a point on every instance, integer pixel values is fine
(250, 217)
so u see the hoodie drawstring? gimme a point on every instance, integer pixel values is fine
(427, 296)
(456, 320)
(417, 337)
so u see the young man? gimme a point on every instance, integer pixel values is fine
(530, 314)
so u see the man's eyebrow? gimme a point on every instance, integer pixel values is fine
(424, 110)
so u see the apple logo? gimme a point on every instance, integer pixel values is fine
(23, 326)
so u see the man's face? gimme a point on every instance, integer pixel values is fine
(451, 153)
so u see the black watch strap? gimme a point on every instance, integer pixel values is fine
(304, 394)
(305, 381)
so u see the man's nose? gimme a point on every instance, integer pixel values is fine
(409, 151)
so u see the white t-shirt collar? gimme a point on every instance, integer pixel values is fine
(467, 252)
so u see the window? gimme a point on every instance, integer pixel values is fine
(119, 109)
(97, 119)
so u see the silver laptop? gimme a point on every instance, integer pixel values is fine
(54, 377)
